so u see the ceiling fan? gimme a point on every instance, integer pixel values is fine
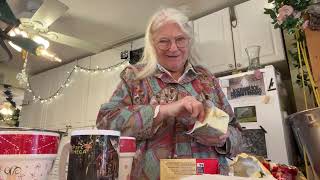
(47, 14)
(20, 40)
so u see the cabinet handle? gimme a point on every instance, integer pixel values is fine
(233, 17)
(230, 66)
(239, 65)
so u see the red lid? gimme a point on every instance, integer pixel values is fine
(127, 144)
(28, 144)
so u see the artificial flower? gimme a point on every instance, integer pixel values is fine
(284, 12)
(305, 24)
(296, 14)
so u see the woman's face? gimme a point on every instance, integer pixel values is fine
(172, 46)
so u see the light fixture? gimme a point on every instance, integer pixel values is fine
(41, 51)
(16, 32)
(25, 43)
(6, 109)
(38, 39)
(17, 48)
(36, 45)
(41, 41)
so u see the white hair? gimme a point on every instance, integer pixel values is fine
(149, 58)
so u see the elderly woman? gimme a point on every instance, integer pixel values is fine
(159, 100)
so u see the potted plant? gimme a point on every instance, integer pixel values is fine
(292, 17)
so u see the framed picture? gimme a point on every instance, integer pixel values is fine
(246, 114)
(245, 86)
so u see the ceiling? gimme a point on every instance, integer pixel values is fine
(105, 22)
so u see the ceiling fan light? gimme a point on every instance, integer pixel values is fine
(11, 33)
(47, 54)
(41, 41)
(25, 43)
(17, 30)
(24, 34)
(16, 47)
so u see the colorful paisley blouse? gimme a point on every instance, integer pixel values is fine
(131, 111)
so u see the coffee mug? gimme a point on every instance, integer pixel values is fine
(93, 155)
(127, 153)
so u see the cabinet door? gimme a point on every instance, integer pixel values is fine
(255, 28)
(213, 33)
(138, 43)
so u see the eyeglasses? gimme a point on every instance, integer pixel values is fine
(165, 43)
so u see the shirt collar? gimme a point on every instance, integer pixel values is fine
(188, 75)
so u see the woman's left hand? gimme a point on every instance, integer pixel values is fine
(217, 141)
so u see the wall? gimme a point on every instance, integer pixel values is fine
(78, 104)
(9, 75)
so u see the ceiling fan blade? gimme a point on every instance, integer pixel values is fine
(49, 11)
(72, 41)
(6, 55)
(6, 14)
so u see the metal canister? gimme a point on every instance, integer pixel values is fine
(306, 128)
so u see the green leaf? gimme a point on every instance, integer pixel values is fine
(268, 11)
(270, 1)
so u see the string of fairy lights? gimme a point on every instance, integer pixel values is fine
(68, 81)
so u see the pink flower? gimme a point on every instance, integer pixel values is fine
(305, 24)
(284, 12)
(281, 17)
(287, 10)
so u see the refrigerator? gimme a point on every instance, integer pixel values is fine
(258, 100)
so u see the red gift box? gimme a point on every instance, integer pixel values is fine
(207, 166)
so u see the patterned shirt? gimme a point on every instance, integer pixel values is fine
(131, 110)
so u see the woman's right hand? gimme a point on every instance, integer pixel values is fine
(185, 107)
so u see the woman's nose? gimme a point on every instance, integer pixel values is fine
(173, 46)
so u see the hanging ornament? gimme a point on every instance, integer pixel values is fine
(22, 77)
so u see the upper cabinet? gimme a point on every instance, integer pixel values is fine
(214, 35)
(222, 43)
(138, 43)
(253, 27)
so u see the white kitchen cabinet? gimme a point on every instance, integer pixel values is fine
(254, 28)
(214, 37)
(138, 43)
(222, 46)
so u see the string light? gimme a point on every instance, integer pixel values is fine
(68, 81)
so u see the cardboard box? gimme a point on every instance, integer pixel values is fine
(174, 169)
